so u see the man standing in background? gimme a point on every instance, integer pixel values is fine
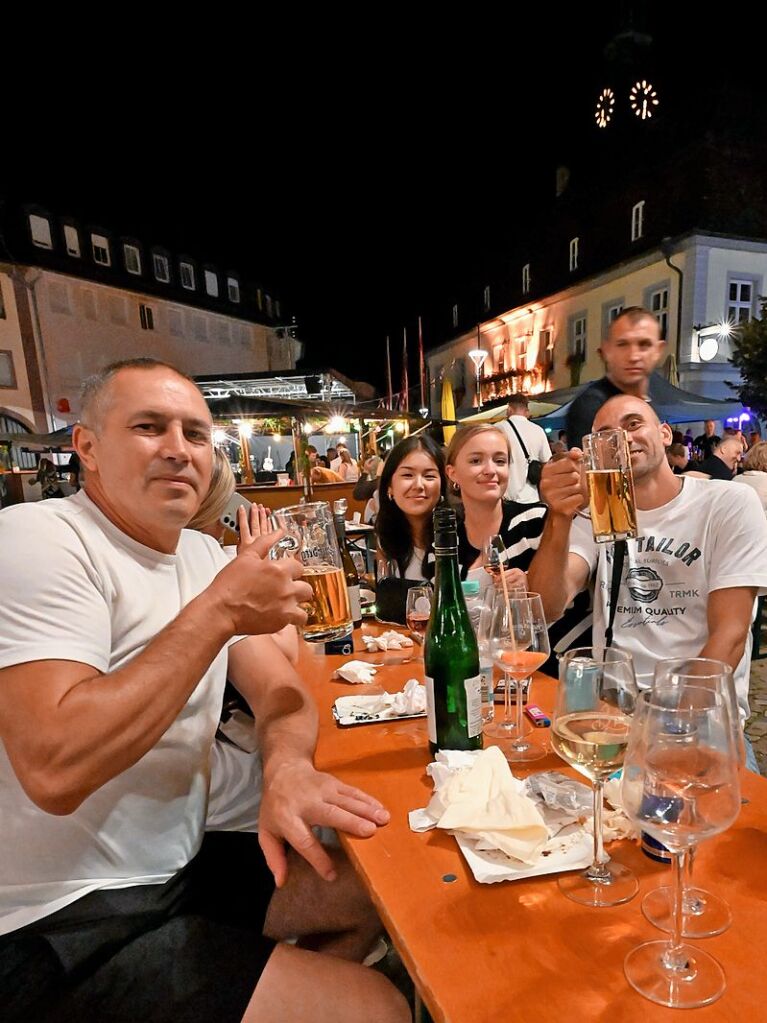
(631, 351)
(528, 443)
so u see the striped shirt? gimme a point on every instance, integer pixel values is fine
(521, 528)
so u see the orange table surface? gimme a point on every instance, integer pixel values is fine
(521, 950)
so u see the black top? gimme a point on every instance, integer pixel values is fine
(713, 465)
(521, 528)
(580, 416)
(706, 444)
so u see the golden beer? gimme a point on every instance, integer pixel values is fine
(329, 611)
(612, 504)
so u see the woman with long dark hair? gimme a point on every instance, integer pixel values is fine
(412, 484)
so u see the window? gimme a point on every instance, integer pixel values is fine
(260, 299)
(146, 316)
(211, 283)
(90, 307)
(740, 302)
(658, 305)
(455, 316)
(199, 327)
(233, 289)
(176, 322)
(72, 241)
(132, 258)
(526, 279)
(40, 229)
(577, 340)
(611, 311)
(58, 297)
(500, 359)
(268, 305)
(277, 308)
(486, 298)
(161, 268)
(637, 221)
(100, 249)
(574, 253)
(545, 348)
(118, 309)
(186, 272)
(7, 371)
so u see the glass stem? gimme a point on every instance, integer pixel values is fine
(520, 684)
(674, 958)
(691, 906)
(598, 870)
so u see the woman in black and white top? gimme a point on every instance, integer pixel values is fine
(478, 472)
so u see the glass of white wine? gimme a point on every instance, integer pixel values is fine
(590, 727)
(418, 610)
(680, 784)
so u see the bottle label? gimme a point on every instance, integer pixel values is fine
(354, 601)
(431, 717)
(473, 688)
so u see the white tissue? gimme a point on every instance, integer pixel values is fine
(412, 699)
(390, 640)
(356, 671)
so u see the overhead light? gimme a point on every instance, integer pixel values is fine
(308, 429)
(220, 436)
(478, 356)
(246, 429)
(336, 424)
(424, 412)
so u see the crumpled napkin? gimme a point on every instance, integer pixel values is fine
(485, 802)
(356, 671)
(382, 706)
(390, 640)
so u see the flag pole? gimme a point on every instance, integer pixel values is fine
(420, 360)
(405, 384)
(388, 372)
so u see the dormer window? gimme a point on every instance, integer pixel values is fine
(100, 249)
(211, 283)
(186, 273)
(574, 254)
(233, 289)
(637, 221)
(132, 258)
(526, 279)
(161, 268)
(486, 298)
(40, 229)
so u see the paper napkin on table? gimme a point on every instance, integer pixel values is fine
(382, 706)
(483, 801)
(356, 671)
(390, 640)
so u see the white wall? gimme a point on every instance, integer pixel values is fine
(16, 401)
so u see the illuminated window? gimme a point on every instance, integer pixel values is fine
(576, 342)
(740, 302)
(161, 268)
(40, 229)
(72, 241)
(132, 258)
(211, 283)
(186, 273)
(658, 304)
(574, 253)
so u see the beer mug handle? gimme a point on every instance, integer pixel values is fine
(284, 548)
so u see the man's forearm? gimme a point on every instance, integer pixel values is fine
(92, 728)
(547, 573)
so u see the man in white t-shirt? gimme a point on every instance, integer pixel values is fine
(118, 632)
(536, 443)
(691, 577)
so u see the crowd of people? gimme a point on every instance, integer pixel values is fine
(167, 859)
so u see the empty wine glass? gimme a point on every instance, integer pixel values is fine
(680, 784)
(703, 913)
(493, 555)
(519, 643)
(590, 730)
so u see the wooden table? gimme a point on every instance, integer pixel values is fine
(521, 951)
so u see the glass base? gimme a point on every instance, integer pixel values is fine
(326, 635)
(619, 886)
(700, 981)
(523, 752)
(500, 730)
(703, 914)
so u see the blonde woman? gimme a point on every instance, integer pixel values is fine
(478, 460)
(755, 474)
(348, 470)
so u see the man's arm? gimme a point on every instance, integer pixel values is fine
(554, 572)
(68, 729)
(729, 613)
(296, 796)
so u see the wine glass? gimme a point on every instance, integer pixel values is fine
(680, 784)
(590, 730)
(418, 610)
(519, 643)
(703, 913)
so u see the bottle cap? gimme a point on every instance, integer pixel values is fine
(445, 536)
(470, 587)
(340, 506)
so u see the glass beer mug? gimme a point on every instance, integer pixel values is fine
(311, 537)
(611, 485)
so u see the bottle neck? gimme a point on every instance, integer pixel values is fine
(447, 575)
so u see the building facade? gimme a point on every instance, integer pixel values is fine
(74, 297)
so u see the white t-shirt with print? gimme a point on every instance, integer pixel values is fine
(76, 588)
(711, 536)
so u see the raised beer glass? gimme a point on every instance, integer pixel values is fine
(311, 536)
(611, 486)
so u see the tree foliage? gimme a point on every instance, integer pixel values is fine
(749, 357)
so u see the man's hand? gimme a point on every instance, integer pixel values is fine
(563, 484)
(260, 596)
(297, 798)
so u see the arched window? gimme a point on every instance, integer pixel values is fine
(24, 459)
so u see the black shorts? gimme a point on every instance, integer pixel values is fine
(191, 949)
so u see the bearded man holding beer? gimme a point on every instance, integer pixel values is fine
(118, 632)
(691, 576)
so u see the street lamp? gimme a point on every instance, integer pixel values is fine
(478, 356)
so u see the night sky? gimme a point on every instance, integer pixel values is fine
(364, 173)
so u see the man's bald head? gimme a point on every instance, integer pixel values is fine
(648, 437)
(729, 450)
(620, 405)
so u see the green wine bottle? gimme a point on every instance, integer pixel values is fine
(451, 660)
